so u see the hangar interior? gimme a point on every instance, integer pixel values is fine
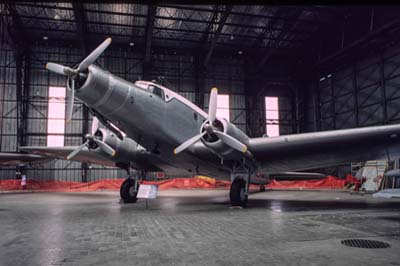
(279, 70)
(331, 67)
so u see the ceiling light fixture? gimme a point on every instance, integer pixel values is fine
(131, 44)
(240, 52)
(232, 37)
(45, 38)
(57, 17)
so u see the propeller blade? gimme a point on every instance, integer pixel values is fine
(56, 68)
(212, 106)
(70, 101)
(230, 141)
(94, 55)
(95, 125)
(76, 151)
(105, 147)
(189, 143)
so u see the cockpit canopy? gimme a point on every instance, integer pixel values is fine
(157, 90)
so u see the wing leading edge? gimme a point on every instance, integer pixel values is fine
(14, 158)
(322, 149)
(62, 152)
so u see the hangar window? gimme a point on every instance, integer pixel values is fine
(272, 116)
(56, 116)
(223, 106)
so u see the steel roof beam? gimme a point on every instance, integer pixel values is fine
(166, 29)
(395, 24)
(210, 24)
(160, 17)
(268, 28)
(271, 50)
(171, 18)
(225, 51)
(221, 24)
(242, 14)
(241, 46)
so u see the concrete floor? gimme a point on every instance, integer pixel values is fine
(196, 227)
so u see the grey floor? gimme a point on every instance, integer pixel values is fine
(196, 227)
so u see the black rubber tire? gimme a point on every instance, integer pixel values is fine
(125, 191)
(237, 186)
(262, 188)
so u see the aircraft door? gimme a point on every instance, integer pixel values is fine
(157, 106)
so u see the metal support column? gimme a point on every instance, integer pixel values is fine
(383, 88)
(331, 87)
(22, 59)
(81, 31)
(317, 104)
(251, 102)
(355, 92)
(199, 81)
(147, 64)
(294, 111)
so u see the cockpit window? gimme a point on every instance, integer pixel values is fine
(157, 91)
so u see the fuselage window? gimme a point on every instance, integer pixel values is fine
(157, 91)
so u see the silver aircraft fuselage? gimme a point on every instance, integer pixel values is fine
(157, 123)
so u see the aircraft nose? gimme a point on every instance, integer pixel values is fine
(95, 87)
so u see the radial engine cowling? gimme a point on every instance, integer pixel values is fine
(213, 142)
(125, 149)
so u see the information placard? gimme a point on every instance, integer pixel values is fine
(147, 192)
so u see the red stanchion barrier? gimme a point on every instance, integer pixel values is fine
(330, 182)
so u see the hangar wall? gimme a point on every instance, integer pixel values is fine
(356, 82)
(363, 93)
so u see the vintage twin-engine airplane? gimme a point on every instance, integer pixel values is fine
(166, 132)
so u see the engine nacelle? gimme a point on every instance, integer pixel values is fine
(216, 145)
(125, 150)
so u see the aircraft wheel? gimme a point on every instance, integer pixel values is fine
(127, 191)
(237, 194)
(262, 188)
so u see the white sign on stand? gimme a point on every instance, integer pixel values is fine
(147, 192)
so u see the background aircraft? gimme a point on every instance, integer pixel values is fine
(166, 132)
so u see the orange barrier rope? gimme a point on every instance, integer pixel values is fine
(330, 182)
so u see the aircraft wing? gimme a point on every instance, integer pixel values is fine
(15, 158)
(62, 152)
(300, 152)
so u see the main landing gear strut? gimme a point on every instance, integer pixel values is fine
(130, 188)
(239, 191)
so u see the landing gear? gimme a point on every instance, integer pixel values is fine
(129, 190)
(238, 192)
(240, 177)
(262, 188)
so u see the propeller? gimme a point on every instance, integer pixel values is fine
(91, 138)
(210, 129)
(189, 143)
(73, 74)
